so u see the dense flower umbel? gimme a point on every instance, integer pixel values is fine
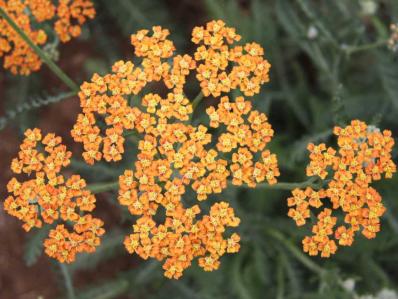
(247, 133)
(222, 68)
(171, 157)
(105, 97)
(181, 237)
(175, 156)
(66, 16)
(48, 197)
(364, 155)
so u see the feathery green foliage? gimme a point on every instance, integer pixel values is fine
(34, 246)
(34, 103)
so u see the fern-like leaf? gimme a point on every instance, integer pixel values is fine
(239, 286)
(32, 104)
(34, 246)
(388, 71)
(107, 290)
(132, 15)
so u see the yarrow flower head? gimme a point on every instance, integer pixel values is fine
(363, 156)
(106, 97)
(176, 157)
(47, 197)
(66, 17)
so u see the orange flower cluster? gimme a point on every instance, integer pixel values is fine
(67, 18)
(173, 154)
(104, 97)
(108, 97)
(48, 197)
(172, 157)
(364, 155)
(224, 69)
(249, 132)
(181, 237)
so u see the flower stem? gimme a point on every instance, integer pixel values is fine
(43, 56)
(196, 101)
(287, 186)
(68, 281)
(353, 49)
(280, 278)
(195, 104)
(109, 186)
(103, 187)
(132, 136)
(297, 253)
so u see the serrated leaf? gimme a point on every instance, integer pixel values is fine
(289, 19)
(388, 70)
(237, 278)
(261, 264)
(34, 103)
(107, 290)
(132, 15)
(34, 246)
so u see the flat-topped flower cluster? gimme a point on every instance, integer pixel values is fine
(175, 156)
(363, 156)
(44, 196)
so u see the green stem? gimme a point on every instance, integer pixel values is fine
(68, 281)
(297, 253)
(195, 104)
(43, 56)
(353, 49)
(196, 101)
(280, 278)
(109, 186)
(288, 186)
(132, 136)
(103, 187)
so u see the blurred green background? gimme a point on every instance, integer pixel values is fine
(330, 64)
